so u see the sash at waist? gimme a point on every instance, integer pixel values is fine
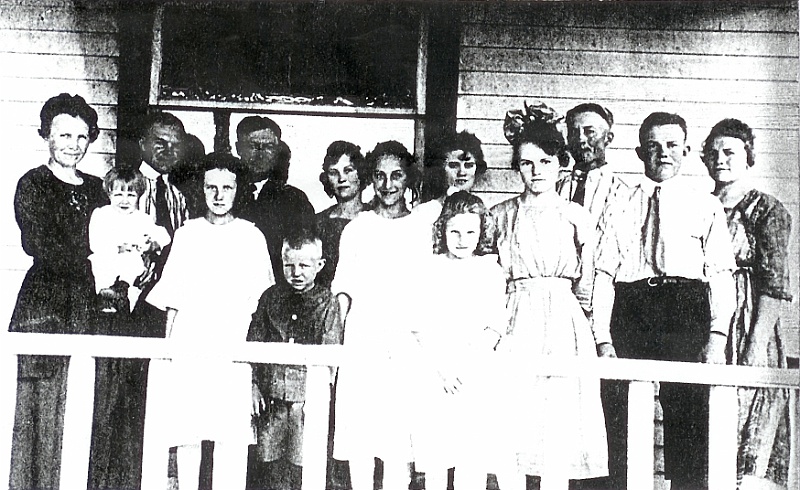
(531, 283)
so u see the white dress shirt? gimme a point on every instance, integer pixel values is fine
(602, 186)
(697, 245)
(176, 203)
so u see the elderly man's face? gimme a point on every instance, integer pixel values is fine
(258, 151)
(162, 147)
(588, 135)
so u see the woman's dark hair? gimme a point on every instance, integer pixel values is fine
(462, 202)
(467, 142)
(464, 141)
(337, 150)
(72, 105)
(407, 162)
(226, 161)
(732, 128)
(546, 136)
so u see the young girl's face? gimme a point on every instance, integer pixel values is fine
(462, 234)
(219, 187)
(123, 198)
(539, 170)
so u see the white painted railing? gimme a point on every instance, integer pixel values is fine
(723, 409)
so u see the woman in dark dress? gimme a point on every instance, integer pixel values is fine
(344, 177)
(52, 204)
(760, 226)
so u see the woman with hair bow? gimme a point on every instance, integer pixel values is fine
(557, 428)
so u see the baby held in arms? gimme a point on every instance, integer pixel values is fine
(123, 240)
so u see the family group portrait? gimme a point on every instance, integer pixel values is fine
(400, 245)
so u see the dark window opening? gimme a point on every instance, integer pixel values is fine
(332, 53)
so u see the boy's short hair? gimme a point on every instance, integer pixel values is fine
(162, 119)
(130, 177)
(301, 237)
(256, 123)
(660, 119)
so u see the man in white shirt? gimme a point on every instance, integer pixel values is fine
(664, 290)
(161, 146)
(592, 184)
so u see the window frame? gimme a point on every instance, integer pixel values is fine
(417, 112)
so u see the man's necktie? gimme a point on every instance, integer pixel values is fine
(653, 242)
(579, 178)
(163, 217)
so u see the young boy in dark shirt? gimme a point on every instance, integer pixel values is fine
(298, 311)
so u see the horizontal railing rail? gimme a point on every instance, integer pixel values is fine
(641, 374)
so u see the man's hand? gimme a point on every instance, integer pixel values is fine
(259, 406)
(714, 352)
(606, 349)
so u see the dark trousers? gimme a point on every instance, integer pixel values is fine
(667, 322)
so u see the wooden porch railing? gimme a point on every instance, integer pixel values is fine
(723, 409)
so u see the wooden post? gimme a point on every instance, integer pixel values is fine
(8, 399)
(723, 415)
(641, 428)
(155, 65)
(315, 427)
(222, 130)
(76, 443)
(794, 438)
(154, 450)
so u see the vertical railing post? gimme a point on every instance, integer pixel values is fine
(723, 420)
(154, 450)
(77, 439)
(8, 400)
(641, 430)
(794, 436)
(315, 427)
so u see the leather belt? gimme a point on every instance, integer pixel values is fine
(657, 281)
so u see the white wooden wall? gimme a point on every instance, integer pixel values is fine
(705, 62)
(48, 47)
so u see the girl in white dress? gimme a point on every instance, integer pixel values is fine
(542, 241)
(462, 319)
(375, 281)
(217, 269)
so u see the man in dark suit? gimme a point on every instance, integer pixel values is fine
(274, 206)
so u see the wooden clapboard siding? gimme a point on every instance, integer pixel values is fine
(764, 16)
(704, 60)
(701, 114)
(48, 47)
(612, 64)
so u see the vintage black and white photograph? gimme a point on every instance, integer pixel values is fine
(400, 245)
